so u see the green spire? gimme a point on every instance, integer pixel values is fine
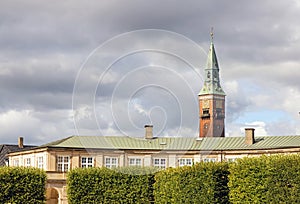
(211, 79)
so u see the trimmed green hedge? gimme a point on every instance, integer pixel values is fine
(265, 179)
(201, 183)
(102, 185)
(22, 185)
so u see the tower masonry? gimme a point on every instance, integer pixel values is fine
(211, 99)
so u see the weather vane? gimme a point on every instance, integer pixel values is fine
(212, 34)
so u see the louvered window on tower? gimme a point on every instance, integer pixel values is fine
(205, 113)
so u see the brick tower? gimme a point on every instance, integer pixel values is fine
(211, 99)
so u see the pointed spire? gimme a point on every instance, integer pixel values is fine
(212, 61)
(212, 80)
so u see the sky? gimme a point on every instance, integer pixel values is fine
(110, 67)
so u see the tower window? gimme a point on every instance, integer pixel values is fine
(219, 113)
(205, 113)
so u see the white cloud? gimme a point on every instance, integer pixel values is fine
(19, 121)
(140, 109)
(35, 127)
(259, 126)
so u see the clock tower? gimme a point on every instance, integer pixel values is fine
(211, 99)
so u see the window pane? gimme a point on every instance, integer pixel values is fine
(87, 162)
(111, 162)
(16, 162)
(28, 162)
(66, 159)
(135, 162)
(59, 167)
(181, 162)
(63, 163)
(66, 167)
(161, 163)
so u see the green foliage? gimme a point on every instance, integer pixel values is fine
(265, 179)
(201, 183)
(102, 185)
(22, 185)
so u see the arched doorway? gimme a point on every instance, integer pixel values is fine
(52, 196)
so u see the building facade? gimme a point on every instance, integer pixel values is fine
(59, 157)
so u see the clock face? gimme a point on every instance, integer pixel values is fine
(205, 104)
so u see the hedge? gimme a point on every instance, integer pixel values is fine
(201, 183)
(22, 185)
(265, 179)
(102, 185)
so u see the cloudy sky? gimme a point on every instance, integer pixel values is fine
(109, 67)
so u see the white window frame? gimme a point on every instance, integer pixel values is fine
(87, 162)
(185, 162)
(40, 162)
(135, 161)
(27, 162)
(61, 164)
(210, 159)
(16, 162)
(160, 163)
(111, 162)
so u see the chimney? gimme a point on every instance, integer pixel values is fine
(249, 136)
(148, 131)
(20, 142)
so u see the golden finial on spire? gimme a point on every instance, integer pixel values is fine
(212, 33)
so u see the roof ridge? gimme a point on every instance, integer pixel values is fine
(57, 141)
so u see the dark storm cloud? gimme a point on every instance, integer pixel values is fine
(36, 83)
(43, 45)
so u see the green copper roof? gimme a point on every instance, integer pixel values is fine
(175, 143)
(238, 143)
(126, 142)
(212, 79)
